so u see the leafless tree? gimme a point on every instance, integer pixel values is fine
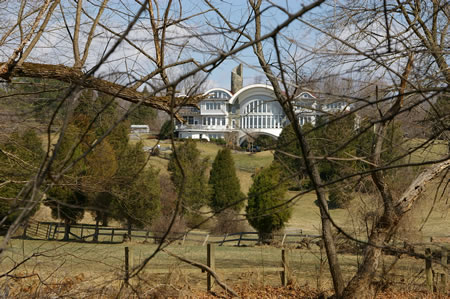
(399, 42)
(161, 46)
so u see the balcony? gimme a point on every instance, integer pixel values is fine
(187, 111)
(201, 127)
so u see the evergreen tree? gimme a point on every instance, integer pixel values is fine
(265, 142)
(265, 209)
(196, 192)
(118, 139)
(288, 154)
(166, 130)
(98, 112)
(67, 199)
(66, 204)
(20, 155)
(143, 114)
(138, 203)
(328, 141)
(325, 141)
(391, 150)
(136, 189)
(225, 187)
(101, 168)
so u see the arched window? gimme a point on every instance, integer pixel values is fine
(261, 114)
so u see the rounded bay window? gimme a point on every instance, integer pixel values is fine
(261, 113)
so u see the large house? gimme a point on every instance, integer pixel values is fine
(247, 111)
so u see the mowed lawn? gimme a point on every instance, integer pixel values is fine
(103, 265)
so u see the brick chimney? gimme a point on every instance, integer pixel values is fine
(236, 79)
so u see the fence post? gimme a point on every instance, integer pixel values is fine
(206, 239)
(284, 238)
(81, 234)
(428, 270)
(112, 235)
(224, 238)
(211, 263)
(240, 237)
(56, 230)
(285, 262)
(127, 266)
(444, 255)
(49, 229)
(24, 235)
(37, 228)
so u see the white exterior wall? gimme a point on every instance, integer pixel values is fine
(258, 113)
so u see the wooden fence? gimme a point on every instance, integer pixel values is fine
(86, 232)
(283, 269)
(436, 270)
(436, 260)
(436, 274)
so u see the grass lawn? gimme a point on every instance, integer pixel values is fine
(102, 265)
(305, 212)
(432, 151)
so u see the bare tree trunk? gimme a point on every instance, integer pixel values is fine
(360, 286)
(327, 234)
(311, 165)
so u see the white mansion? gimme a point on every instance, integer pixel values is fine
(249, 111)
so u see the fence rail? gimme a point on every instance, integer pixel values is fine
(436, 256)
(436, 270)
(102, 234)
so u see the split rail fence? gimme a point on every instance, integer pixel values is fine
(283, 269)
(436, 268)
(86, 233)
(436, 252)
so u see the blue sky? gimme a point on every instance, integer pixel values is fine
(237, 12)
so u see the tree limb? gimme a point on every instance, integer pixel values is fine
(205, 268)
(76, 76)
(414, 190)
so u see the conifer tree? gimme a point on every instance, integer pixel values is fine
(225, 187)
(67, 198)
(196, 192)
(20, 156)
(265, 209)
(137, 203)
(288, 153)
(166, 130)
(101, 169)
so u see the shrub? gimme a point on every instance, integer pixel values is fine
(339, 198)
(166, 130)
(229, 222)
